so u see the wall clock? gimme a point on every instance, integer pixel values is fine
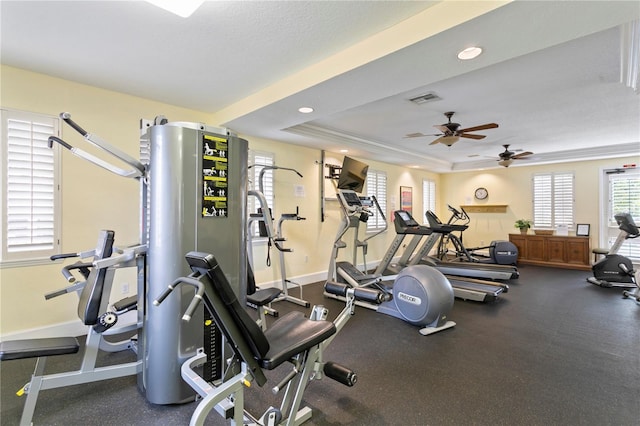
(481, 193)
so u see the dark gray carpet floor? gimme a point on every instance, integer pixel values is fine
(554, 350)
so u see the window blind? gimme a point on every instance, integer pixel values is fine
(377, 186)
(259, 159)
(553, 200)
(428, 198)
(31, 190)
(624, 194)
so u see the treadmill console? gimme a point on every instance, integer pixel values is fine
(405, 224)
(405, 219)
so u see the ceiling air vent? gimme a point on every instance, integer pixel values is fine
(424, 98)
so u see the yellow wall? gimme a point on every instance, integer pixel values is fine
(93, 199)
(513, 186)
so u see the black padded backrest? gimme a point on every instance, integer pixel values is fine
(251, 331)
(92, 294)
(251, 279)
(218, 283)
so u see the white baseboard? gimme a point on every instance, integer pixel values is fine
(301, 279)
(70, 328)
(76, 328)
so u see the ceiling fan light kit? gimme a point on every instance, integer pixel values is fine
(451, 132)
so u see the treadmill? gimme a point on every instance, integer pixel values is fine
(463, 287)
(463, 268)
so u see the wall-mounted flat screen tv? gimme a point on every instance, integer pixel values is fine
(353, 175)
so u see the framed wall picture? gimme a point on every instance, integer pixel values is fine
(582, 230)
(406, 199)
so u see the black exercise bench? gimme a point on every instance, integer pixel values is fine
(291, 338)
(92, 310)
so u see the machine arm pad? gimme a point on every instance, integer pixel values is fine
(363, 294)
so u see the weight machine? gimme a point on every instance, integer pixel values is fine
(292, 338)
(275, 237)
(193, 197)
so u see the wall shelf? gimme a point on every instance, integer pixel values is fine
(486, 208)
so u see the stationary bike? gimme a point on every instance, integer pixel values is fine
(615, 270)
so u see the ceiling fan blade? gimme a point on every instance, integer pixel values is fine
(476, 128)
(437, 140)
(466, 135)
(522, 155)
(419, 135)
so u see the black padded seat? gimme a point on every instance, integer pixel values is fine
(599, 252)
(264, 296)
(292, 334)
(127, 303)
(33, 348)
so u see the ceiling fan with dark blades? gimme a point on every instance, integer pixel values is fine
(507, 157)
(451, 132)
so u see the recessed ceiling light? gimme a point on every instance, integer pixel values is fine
(305, 110)
(344, 151)
(469, 53)
(183, 8)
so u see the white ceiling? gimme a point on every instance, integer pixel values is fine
(549, 74)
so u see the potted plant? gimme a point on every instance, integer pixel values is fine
(523, 225)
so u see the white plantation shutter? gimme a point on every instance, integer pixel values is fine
(563, 199)
(428, 198)
(624, 194)
(259, 159)
(624, 190)
(30, 175)
(377, 185)
(553, 200)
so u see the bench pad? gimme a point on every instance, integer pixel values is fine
(32, 348)
(263, 297)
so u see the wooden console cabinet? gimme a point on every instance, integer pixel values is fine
(552, 250)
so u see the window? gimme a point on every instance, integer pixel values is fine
(377, 186)
(553, 200)
(428, 198)
(30, 188)
(257, 160)
(623, 197)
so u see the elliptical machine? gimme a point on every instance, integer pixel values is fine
(499, 252)
(419, 295)
(615, 270)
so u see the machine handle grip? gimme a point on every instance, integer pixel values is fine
(67, 119)
(158, 300)
(68, 275)
(53, 139)
(197, 298)
(55, 294)
(63, 256)
(193, 305)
